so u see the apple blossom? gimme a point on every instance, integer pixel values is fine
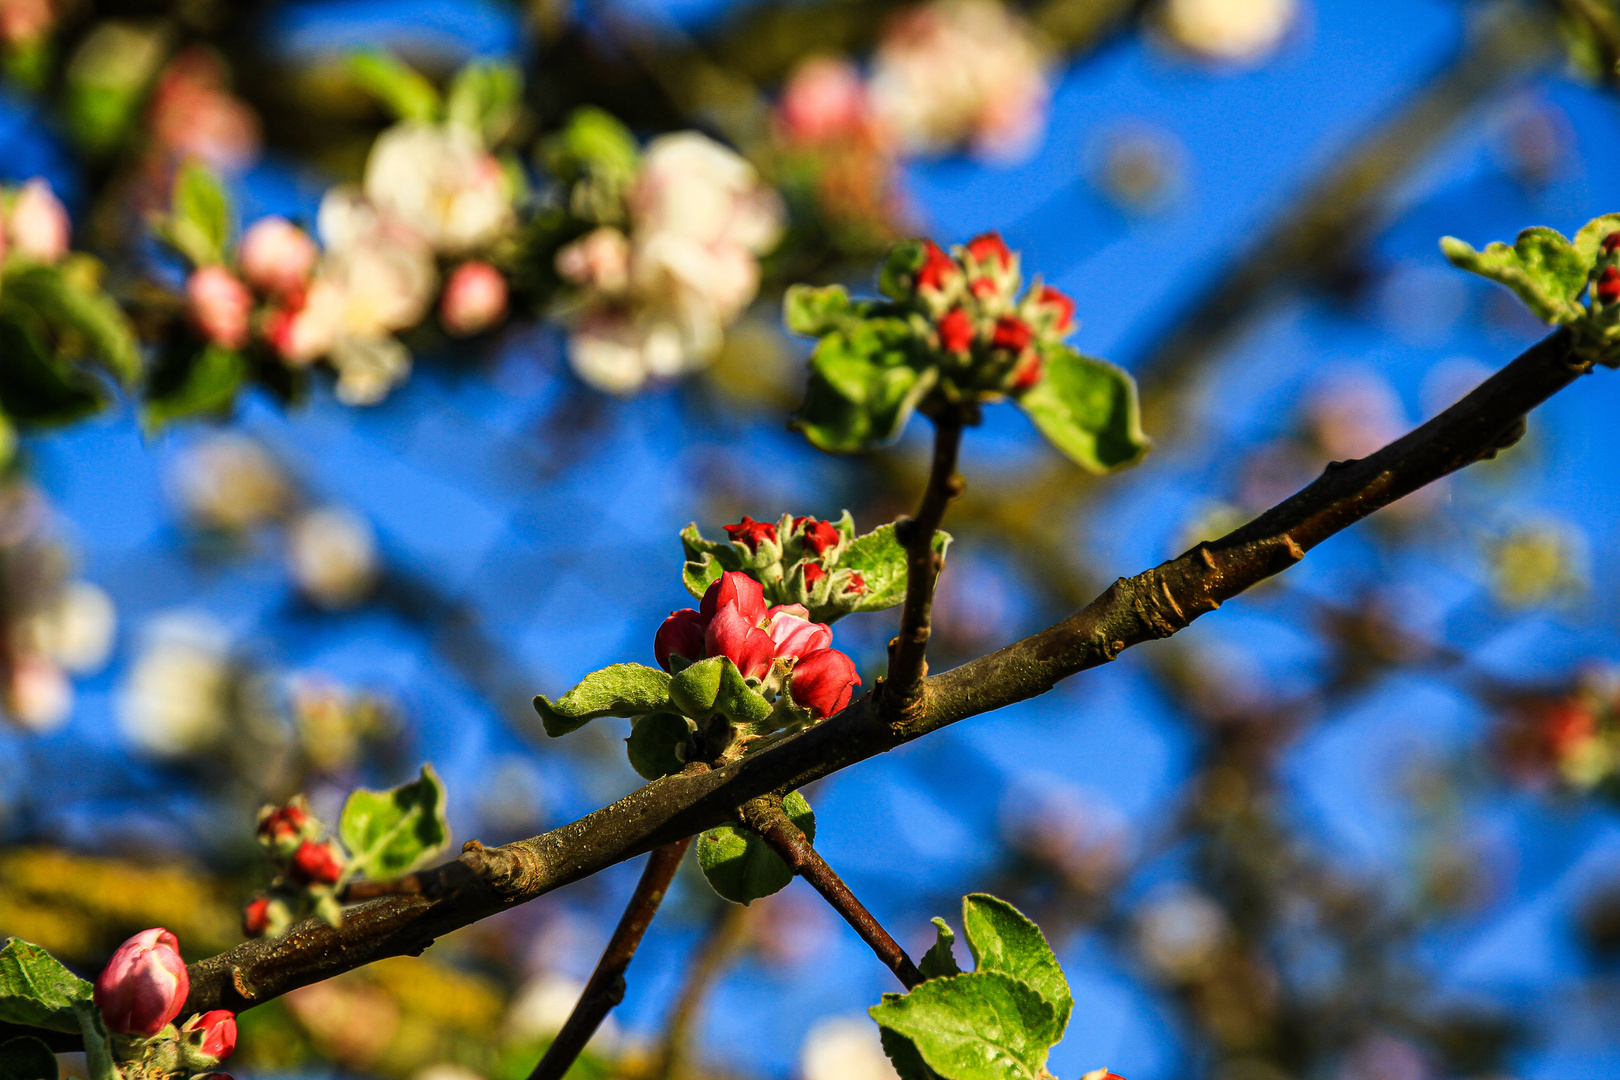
(474, 299)
(1056, 308)
(956, 331)
(817, 535)
(680, 635)
(1011, 333)
(750, 532)
(38, 694)
(220, 305)
(256, 916)
(1231, 30)
(276, 256)
(215, 1032)
(734, 586)
(794, 634)
(316, 864)
(193, 114)
(332, 555)
(600, 260)
(144, 985)
(823, 100)
(441, 182)
(823, 682)
(37, 223)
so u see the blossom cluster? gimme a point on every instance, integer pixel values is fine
(34, 225)
(773, 646)
(309, 867)
(140, 993)
(797, 560)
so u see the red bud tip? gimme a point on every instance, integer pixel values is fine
(1060, 306)
(751, 532)
(1608, 285)
(956, 331)
(813, 573)
(819, 535)
(857, 584)
(256, 916)
(936, 269)
(988, 246)
(316, 864)
(1011, 333)
(1611, 242)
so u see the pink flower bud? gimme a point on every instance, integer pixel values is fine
(813, 573)
(220, 306)
(988, 246)
(750, 532)
(1611, 242)
(1058, 307)
(817, 535)
(144, 985)
(1608, 285)
(219, 1033)
(794, 634)
(1011, 333)
(824, 100)
(938, 269)
(737, 636)
(1027, 373)
(474, 299)
(681, 635)
(857, 584)
(956, 331)
(315, 864)
(736, 587)
(38, 223)
(823, 682)
(277, 256)
(280, 824)
(256, 916)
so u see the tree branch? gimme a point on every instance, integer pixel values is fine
(1154, 604)
(908, 662)
(765, 817)
(605, 989)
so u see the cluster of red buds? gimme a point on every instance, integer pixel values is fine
(140, 993)
(775, 648)
(309, 869)
(1606, 272)
(796, 560)
(987, 339)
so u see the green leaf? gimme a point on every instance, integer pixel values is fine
(982, 1026)
(881, 561)
(592, 143)
(1087, 408)
(389, 833)
(862, 390)
(742, 867)
(900, 267)
(655, 745)
(98, 1051)
(487, 97)
(939, 962)
(1002, 939)
(399, 87)
(199, 222)
(36, 990)
(716, 686)
(903, 1055)
(617, 690)
(77, 318)
(207, 385)
(815, 311)
(36, 387)
(27, 1058)
(1541, 266)
(1590, 237)
(706, 560)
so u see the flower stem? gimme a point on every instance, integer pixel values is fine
(907, 652)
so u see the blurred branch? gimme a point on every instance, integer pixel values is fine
(908, 662)
(719, 946)
(766, 817)
(1152, 605)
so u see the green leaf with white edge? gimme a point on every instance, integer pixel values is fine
(617, 690)
(881, 561)
(199, 223)
(812, 311)
(706, 560)
(207, 385)
(1088, 409)
(939, 962)
(1590, 237)
(389, 833)
(84, 321)
(861, 392)
(1541, 267)
(27, 1058)
(400, 88)
(486, 96)
(656, 743)
(1003, 939)
(982, 1026)
(740, 866)
(699, 575)
(36, 990)
(716, 686)
(98, 1049)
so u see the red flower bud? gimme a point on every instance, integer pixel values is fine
(219, 1032)
(1608, 285)
(857, 584)
(1059, 306)
(984, 288)
(1027, 373)
(956, 331)
(751, 532)
(990, 245)
(737, 636)
(256, 916)
(315, 864)
(283, 823)
(144, 985)
(681, 635)
(937, 268)
(1611, 242)
(813, 573)
(794, 634)
(1011, 333)
(818, 536)
(737, 587)
(823, 682)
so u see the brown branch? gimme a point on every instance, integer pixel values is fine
(1151, 605)
(908, 663)
(765, 817)
(605, 989)
(715, 953)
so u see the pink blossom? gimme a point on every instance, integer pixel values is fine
(738, 636)
(474, 298)
(794, 634)
(680, 635)
(277, 256)
(144, 985)
(194, 114)
(38, 223)
(219, 1033)
(823, 682)
(220, 306)
(316, 864)
(600, 260)
(734, 586)
(824, 100)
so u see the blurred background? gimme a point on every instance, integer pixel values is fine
(1360, 824)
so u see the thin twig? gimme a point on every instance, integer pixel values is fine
(605, 989)
(715, 953)
(908, 662)
(766, 818)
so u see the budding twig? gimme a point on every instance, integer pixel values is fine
(907, 652)
(766, 817)
(605, 989)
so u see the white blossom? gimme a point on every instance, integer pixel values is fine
(177, 697)
(1232, 30)
(332, 556)
(75, 629)
(38, 694)
(542, 1006)
(230, 482)
(844, 1048)
(439, 180)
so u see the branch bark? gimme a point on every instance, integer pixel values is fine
(908, 662)
(605, 988)
(765, 817)
(1151, 605)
